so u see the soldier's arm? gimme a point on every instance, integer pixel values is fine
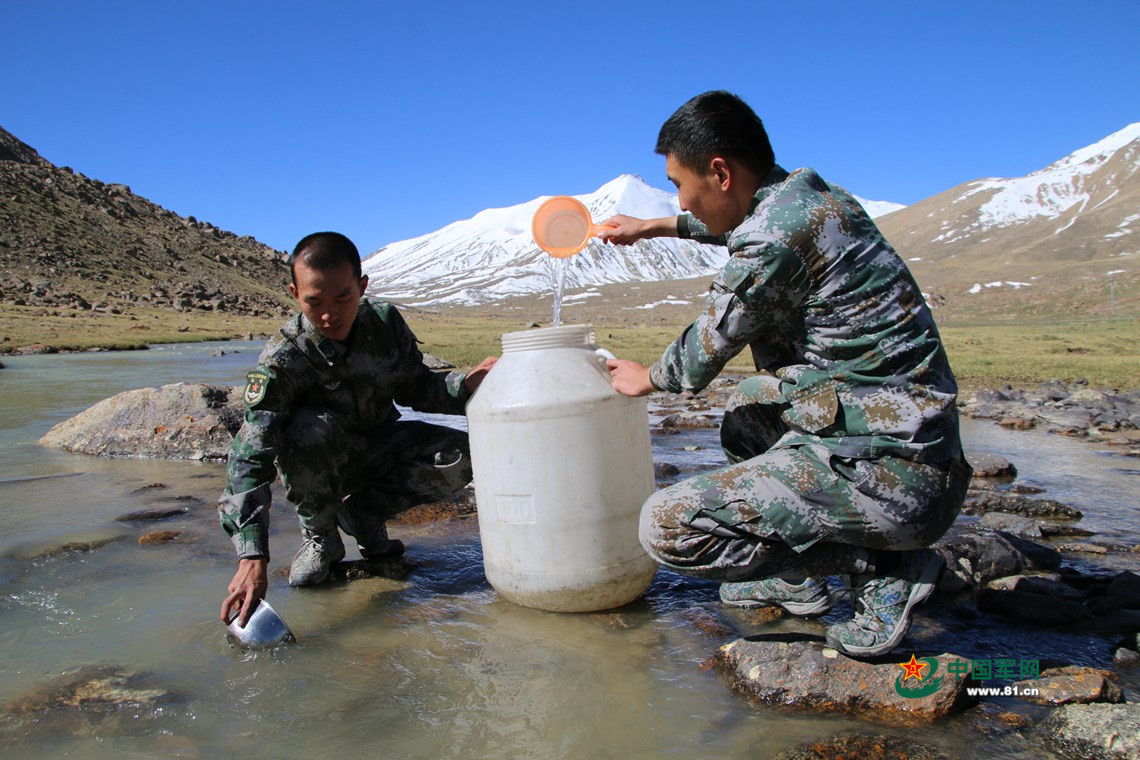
(417, 386)
(692, 228)
(251, 467)
(753, 297)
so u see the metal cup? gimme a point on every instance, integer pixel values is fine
(264, 629)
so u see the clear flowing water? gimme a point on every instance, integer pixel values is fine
(557, 270)
(436, 666)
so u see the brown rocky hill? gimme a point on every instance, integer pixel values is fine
(1060, 241)
(69, 243)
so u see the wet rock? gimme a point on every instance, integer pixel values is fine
(152, 515)
(694, 421)
(150, 487)
(1025, 488)
(860, 747)
(808, 675)
(96, 700)
(159, 537)
(1010, 523)
(1082, 548)
(975, 558)
(393, 568)
(1125, 658)
(1072, 685)
(991, 466)
(1029, 607)
(179, 421)
(1027, 527)
(665, 470)
(1094, 732)
(1004, 501)
(1124, 590)
(460, 505)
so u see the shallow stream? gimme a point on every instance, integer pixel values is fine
(436, 666)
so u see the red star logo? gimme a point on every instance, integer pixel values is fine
(913, 668)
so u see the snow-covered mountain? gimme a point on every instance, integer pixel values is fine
(493, 256)
(1082, 206)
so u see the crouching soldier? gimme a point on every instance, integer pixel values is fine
(844, 454)
(320, 408)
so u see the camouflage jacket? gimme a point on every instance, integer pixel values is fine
(356, 381)
(830, 309)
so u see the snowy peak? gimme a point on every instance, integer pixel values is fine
(492, 255)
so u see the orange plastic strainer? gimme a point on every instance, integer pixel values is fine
(562, 226)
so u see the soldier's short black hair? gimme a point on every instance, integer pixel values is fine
(323, 251)
(716, 123)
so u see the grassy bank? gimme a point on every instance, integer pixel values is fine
(80, 331)
(1105, 352)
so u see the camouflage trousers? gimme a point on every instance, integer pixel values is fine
(333, 475)
(794, 510)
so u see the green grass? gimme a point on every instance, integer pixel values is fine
(1105, 352)
(1023, 353)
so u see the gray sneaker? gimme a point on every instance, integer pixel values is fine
(809, 598)
(883, 605)
(311, 564)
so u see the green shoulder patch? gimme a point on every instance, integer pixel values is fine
(256, 383)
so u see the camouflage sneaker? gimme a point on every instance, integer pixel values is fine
(809, 598)
(883, 605)
(312, 563)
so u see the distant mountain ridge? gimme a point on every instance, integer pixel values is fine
(78, 244)
(1056, 233)
(492, 256)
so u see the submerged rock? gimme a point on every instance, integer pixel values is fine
(95, 700)
(151, 515)
(808, 675)
(860, 747)
(179, 421)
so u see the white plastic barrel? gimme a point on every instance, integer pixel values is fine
(562, 465)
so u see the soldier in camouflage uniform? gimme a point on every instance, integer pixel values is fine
(844, 449)
(319, 407)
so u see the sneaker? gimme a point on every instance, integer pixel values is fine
(810, 598)
(883, 605)
(312, 563)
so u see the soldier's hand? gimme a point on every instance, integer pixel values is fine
(626, 230)
(246, 589)
(476, 375)
(629, 378)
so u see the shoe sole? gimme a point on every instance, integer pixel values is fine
(923, 588)
(799, 609)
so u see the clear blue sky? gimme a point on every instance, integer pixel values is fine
(388, 120)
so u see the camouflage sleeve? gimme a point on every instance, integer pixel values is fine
(418, 386)
(688, 226)
(270, 395)
(751, 301)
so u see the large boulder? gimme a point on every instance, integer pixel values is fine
(179, 421)
(808, 675)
